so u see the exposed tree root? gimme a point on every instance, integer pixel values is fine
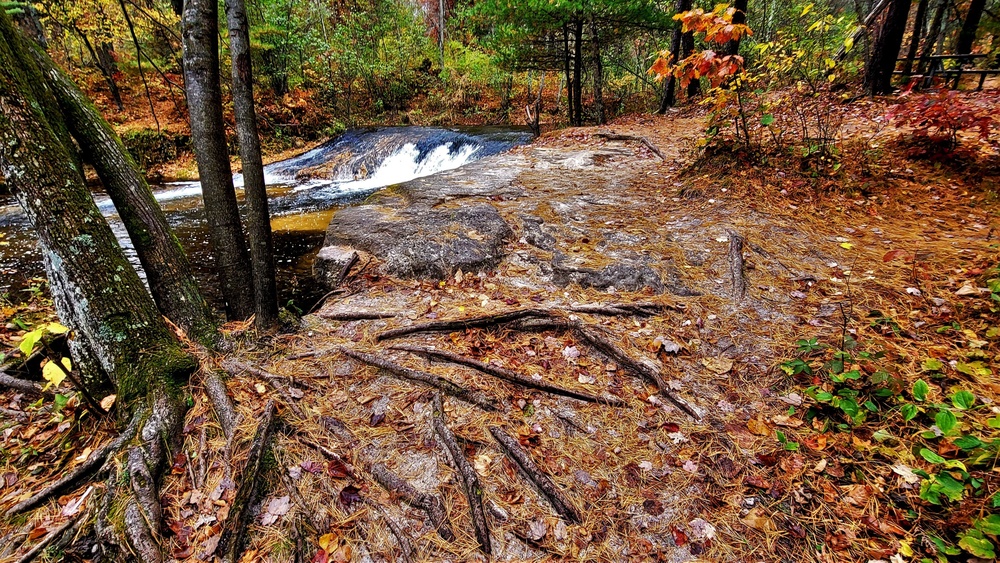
(22, 385)
(356, 315)
(225, 411)
(82, 471)
(248, 494)
(462, 324)
(466, 475)
(49, 538)
(430, 504)
(609, 349)
(619, 137)
(429, 379)
(624, 309)
(530, 469)
(405, 545)
(509, 376)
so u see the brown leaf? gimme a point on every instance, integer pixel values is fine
(653, 507)
(180, 462)
(350, 495)
(757, 481)
(337, 469)
(726, 467)
(759, 427)
(757, 520)
(680, 538)
(840, 540)
(792, 464)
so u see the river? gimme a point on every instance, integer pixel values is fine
(304, 192)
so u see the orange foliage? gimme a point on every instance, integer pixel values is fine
(717, 27)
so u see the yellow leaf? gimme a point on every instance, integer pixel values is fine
(846, 245)
(56, 328)
(848, 43)
(54, 375)
(806, 9)
(905, 549)
(326, 540)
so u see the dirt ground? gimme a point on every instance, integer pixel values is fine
(887, 241)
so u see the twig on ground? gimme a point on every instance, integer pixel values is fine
(462, 324)
(22, 385)
(530, 469)
(466, 475)
(737, 268)
(443, 384)
(509, 376)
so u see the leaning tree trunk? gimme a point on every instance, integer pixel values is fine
(200, 28)
(598, 72)
(258, 215)
(967, 36)
(167, 268)
(96, 292)
(878, 72)
(918, 29)
(933, 33)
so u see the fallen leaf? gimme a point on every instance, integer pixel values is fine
(276, 508)
(758, 427)
(680, 538)
(337, 469)
(701, 530)
(350, 495)
(719, 366)
(537, 529)
(108, 402)
(782, 420)
(757, 520)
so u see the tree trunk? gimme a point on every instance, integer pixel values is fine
(598, 72)
(117, 329)
(258, 215)
(200, 28)
(933, 33)
(878, 73)
(967, 36)
(105, 62)
(569, 76)
(670, 88)
(687, 48)
(578, 72)
(96, 291)
(740, 17)
(918, 29)
(167, 268)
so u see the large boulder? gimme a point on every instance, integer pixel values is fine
(424, 242)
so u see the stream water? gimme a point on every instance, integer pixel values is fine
(304, 193)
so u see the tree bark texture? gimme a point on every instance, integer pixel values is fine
(258, 215)
(168, 271)
(578, 72)
(670, 87)
(96, 291)
(967, 36)
(918, 29)
(740, 17)
(199, 23)
(888, 40)
(598, 71)
(933, 33)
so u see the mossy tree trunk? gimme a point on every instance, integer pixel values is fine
(97, 293)
(167, 268)
(200, 35)
(258, 215)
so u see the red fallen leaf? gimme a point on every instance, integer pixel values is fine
(313, 467)
(180, 461)
(632, 474)
(680, 538)
(37, 533)
(727, 468)
(892, 255)
(768, 460)
(182, 552)
(320, 557)
(671, 427)
(757, 481)
(653, 507)
(350, 495)
(338, 469)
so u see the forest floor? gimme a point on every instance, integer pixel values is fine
(838, 369)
